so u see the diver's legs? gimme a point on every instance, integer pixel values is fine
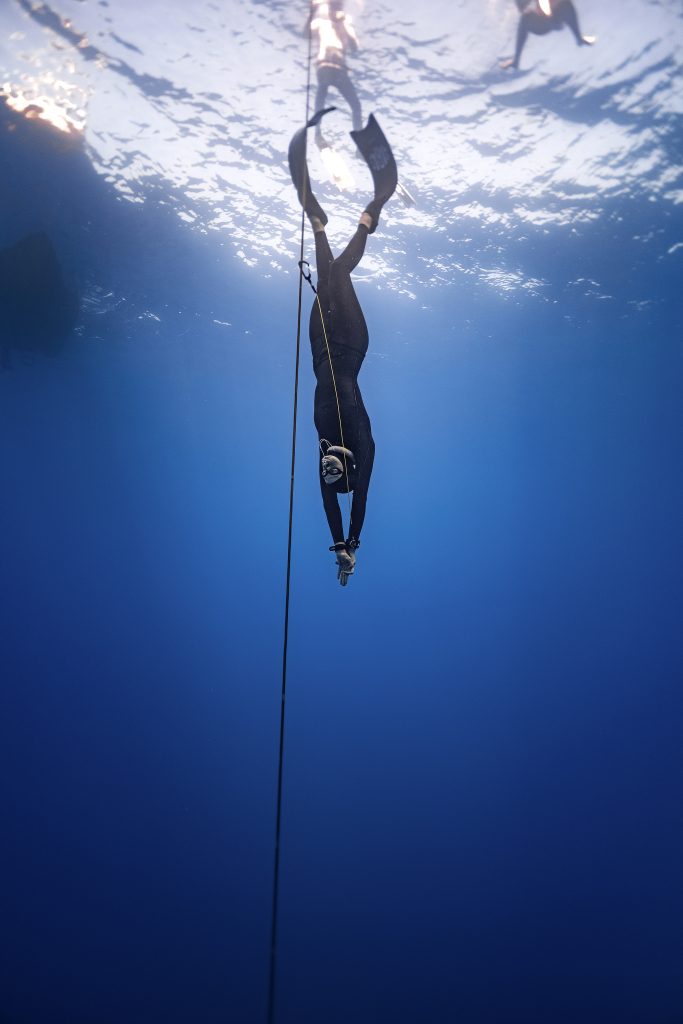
(323, 253)
(323, 261)
(344, 321)
(538, 25)
(522, 34)
(566, 12)
(321, 92)
(346, 316)
(320, 97)
(348, 91)
(353, 253)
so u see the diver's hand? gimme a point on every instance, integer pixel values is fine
(509, 63)
(346, 561)
(347, 566)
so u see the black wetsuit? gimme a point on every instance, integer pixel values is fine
(347, 335)
(533, 20)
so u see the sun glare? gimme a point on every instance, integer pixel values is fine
(38, 100)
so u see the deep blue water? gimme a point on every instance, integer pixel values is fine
(482, 802)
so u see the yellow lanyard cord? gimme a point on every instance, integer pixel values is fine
(336, 395)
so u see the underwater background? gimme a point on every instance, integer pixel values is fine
(482, 795)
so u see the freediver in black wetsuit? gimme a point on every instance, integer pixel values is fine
(339, 340)
(542, 16)
(334, 35)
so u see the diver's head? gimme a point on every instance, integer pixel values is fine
(332, 469)
(337, 464)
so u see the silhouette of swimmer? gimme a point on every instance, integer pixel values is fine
(339, 341)
(542, 16)
(334, 35)
(37, 310)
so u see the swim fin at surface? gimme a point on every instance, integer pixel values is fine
(377, 154)
(298, 168)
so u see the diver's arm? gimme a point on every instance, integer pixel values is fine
(350, 33)
(360, 491)
(332, 511)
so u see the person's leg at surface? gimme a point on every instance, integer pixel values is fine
(348, 91)
(566, 12)
(524, 26)
(522, 36)
(534, 23)
(323, 75)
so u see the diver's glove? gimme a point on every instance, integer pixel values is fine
(346, 561)
(352, 545)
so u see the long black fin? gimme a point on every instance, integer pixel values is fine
(376, 152)
(298, 168)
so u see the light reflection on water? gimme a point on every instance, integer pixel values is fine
(205, 102)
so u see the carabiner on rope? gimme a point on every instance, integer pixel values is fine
(307, 274)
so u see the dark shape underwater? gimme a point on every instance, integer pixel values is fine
(37, 310)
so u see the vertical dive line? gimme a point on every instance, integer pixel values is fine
(283, 694)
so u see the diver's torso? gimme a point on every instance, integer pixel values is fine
(355, 422)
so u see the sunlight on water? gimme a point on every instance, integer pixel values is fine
(207, 109)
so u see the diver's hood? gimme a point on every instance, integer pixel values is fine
(332, 469)
(336, 463)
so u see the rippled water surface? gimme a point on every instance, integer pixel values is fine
(201, 103)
